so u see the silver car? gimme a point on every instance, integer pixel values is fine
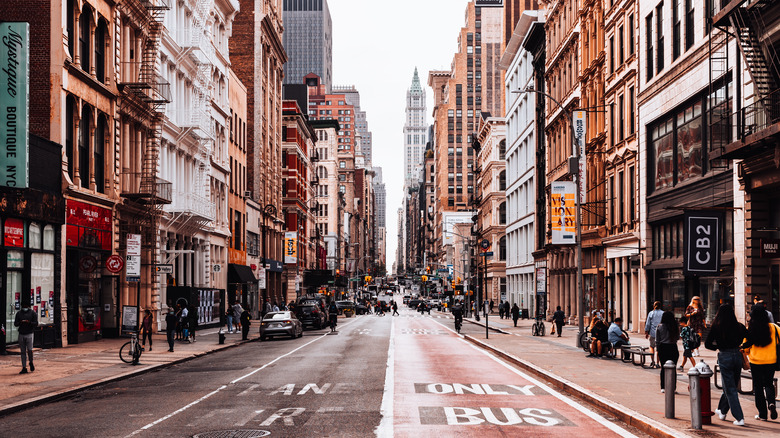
(280, 324)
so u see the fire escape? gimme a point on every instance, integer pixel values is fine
(192, 209)
(144, 95)
(750, 132)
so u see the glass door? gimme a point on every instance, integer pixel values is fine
(13, 290)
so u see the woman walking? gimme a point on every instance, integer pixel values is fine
(695, 314)
(726, 335)
(666, 336)
(761, 347)
(146, 329)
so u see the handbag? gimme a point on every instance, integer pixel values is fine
(745, 361)
(552, 332)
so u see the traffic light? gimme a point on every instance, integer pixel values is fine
(428, 269)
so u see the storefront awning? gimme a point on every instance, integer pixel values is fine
(240, 274)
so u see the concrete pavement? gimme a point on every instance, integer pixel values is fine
(632, 390)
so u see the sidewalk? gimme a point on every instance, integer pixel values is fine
(624, 389)
(62, 371)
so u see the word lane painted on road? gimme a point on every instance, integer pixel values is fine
(310, 388)
(465, 416)
(475, 388)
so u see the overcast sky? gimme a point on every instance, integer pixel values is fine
(376, 46)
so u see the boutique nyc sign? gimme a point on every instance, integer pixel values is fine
(14, 107)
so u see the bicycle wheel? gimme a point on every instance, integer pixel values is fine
(541, 328)
(137, 354)
(126, 353)
(535, 330)
(584, 341)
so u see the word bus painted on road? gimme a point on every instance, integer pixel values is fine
(463, 416)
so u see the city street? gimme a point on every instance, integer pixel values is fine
(328, 385)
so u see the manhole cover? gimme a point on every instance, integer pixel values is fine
(233, 434)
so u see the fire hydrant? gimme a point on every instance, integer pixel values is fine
(705, 373)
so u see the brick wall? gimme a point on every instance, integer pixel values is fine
(38, 14)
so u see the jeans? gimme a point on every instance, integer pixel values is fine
(146, 335)
(763, 387)
(667, 352)
(230, 323)
(730, 362)
(170, 334)
(26, 346)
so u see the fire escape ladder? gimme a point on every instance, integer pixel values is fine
(762, 68)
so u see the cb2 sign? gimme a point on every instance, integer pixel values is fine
(702, 242)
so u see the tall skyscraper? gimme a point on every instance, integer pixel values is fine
(308, 41)
(363, 137)
(415, 128)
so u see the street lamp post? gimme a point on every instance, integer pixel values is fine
(578, 205)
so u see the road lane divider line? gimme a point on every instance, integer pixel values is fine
(578, 406)
(182, 409)
(385, 428)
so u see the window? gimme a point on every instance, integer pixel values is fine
(612, 217)
(342, 189)
(659, 36)
(631, 35)
(101, 133)
(84, 124)
(84, 37)
(621, 44)
(502, 180)
(621, 118)
(237, 241)
(342, 164)
(70, 108)
(677, 147)
(621, 198)
(612, 54)
(101, 33)
(502, 249)
(631, 195)
(676, 29)
(502, 214)
(71, 27)
(649, 49)
(612, 125)
(688, 24)
(631, 113)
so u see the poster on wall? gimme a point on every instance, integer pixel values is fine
(291, 247)
(702, 242)
(562, 213)
(133, 262)
(14, 104)
(129, 318)
(14, 233)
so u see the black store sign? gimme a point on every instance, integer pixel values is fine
(770, 248)
(702, 242)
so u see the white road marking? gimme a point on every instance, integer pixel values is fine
(248, 390)
(180, 410)
(250, 418)
(327, 409)
(385, 428)
(601, 420)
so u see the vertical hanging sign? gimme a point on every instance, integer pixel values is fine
(14, 104)
(562, 213)
(133, 262)
(291, 247)
(580, 126)
(702, 242)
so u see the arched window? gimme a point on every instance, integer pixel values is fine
(502, 150)
(84, 37)
(71, 17)
(101, 34)
(101, 133)
(502, 249)
(502, 180)
(86, 114)
(70, 114)
(502, 213)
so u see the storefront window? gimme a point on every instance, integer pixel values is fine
(689, 143)
(13, 287)
(48, 238)
(715, 291)
(663, 152)
(42, 286)
(89, 291)
(671, 288)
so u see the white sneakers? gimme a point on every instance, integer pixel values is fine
(739, 422)
(720, 414)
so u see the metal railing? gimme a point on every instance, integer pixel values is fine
(136, 185)
(192, 203)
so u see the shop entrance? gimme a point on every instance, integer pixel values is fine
(85, 287)
(774, 292)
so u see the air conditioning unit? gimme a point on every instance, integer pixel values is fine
(247, 194)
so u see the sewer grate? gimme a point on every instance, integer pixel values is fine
(233, 434)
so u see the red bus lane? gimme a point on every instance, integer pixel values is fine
(444, 386)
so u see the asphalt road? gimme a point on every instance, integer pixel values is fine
(327, 385)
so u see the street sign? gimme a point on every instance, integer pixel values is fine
(485, 244)
(133, 263)
(488, 254)
(164, 269)
(114, 264)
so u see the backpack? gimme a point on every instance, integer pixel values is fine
(694, 340)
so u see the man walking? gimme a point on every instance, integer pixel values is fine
(26, 319)
(653, 319)
(395, 309)
(559, 318)
(515, 314)
(237, 311)
(170, 327)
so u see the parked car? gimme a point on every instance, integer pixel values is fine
(346, 308)
(280, 324)
(360, 309)
(311, 315)
(407, 298)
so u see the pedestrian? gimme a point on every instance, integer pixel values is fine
(726, 335)
(506, 309)
(266, 308)
(171, 323)
(276, 307)
(690, 341)
(146, 329)
(229, 315)
(184, 320)
(653, 319)
(758, 301)
(192, 325)
(666, 336)
(559, 319)
(695, 314)
(179, 323)
(501, 310)
(395, 308)
(761, 344)
(516, 314)
(237, 311)
(245, 323)
(26, 320)
(491, 306)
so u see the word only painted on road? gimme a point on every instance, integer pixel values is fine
(475, 388)
(461, 416)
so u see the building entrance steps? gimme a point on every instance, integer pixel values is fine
(611, 381)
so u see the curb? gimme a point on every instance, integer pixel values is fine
(58, 395)
(624, 414)
(498, 330)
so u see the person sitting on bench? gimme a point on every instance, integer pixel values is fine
(617, 336)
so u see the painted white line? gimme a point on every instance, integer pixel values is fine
(385, 428)
(601, 420)
(156, 422)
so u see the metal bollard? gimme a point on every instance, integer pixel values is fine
(670, 386)
(221, 336)
(693, 379)
(705, 373)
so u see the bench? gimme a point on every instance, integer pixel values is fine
(635, 354)
(745, 374)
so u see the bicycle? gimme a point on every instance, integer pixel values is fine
(458, 324)
(131, 351)
(538, 328)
